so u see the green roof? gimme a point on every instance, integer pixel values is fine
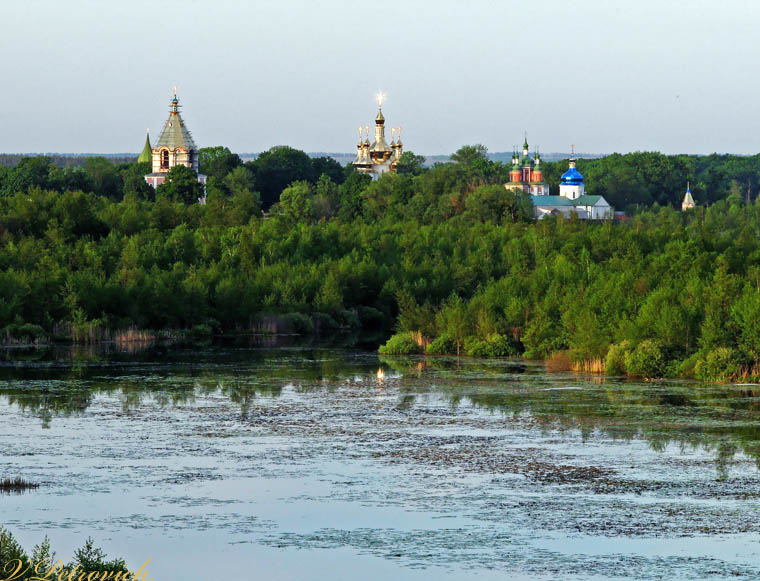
(551, 201)
(175, 134)
(147, 152)
(563, 201)
(587, 200)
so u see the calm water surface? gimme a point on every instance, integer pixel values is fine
(300, 464)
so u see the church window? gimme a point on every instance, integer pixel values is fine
(164, 158)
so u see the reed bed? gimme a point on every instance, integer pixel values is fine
(559, 361)
(93, 333)
(590, 365)
(17, 485)
(420, 339)
(564, 361)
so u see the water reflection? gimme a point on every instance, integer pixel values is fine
(723, 419)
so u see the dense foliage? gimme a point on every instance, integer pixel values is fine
(445, 255)
(89, 562)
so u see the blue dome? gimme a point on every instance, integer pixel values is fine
(572, 176)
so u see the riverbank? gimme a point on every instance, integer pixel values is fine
(646, 360)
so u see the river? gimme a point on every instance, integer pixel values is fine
(239, 463)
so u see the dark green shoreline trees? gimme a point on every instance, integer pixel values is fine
(444, 252)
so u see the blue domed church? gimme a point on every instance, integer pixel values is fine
(572, 199)
(571, 183)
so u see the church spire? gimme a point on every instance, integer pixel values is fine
(379, 157)
(147, 152)
(174, 108)
(572, 160)
(688, 199)
(380, 150)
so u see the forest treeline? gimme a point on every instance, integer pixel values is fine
(63, 160)
(444, 256)
(628, 181)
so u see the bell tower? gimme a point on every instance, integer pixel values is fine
(175, 146)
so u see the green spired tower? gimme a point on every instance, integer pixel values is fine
(147, 153)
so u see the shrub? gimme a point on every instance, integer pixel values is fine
(720, 365)
(476, 348)
(615, 361)
(442, 345)
(298, 323)
(687, 367)
(371, 317)
(324, 324)
(200, 331)
(502, 345)
(646, 360)
(348, 319)
(24, 332)
(672, 368)
(495, 345)
(400, 344)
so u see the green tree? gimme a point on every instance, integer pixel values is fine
(414, 317)
(453, 320)
(29, 172)
(77, 215)
(133, 177)
(499, 205)
(746, 314)
(217, 162)
(239, 180)
(245, 205)
(181, 185)
(470, 154)
(11, 552)
(296, 202)
(91, 559)
(329, 167)
(325, 198)
(277, 168)
(411, 163)
(104, 177)
(350, 195)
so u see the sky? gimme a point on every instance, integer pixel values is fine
(646, 75)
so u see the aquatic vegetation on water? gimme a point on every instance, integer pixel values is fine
(16, 484)
(449, 466)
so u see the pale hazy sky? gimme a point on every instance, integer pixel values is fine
(674, 76)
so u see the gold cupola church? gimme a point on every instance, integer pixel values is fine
(378, 158)
(175, 146)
